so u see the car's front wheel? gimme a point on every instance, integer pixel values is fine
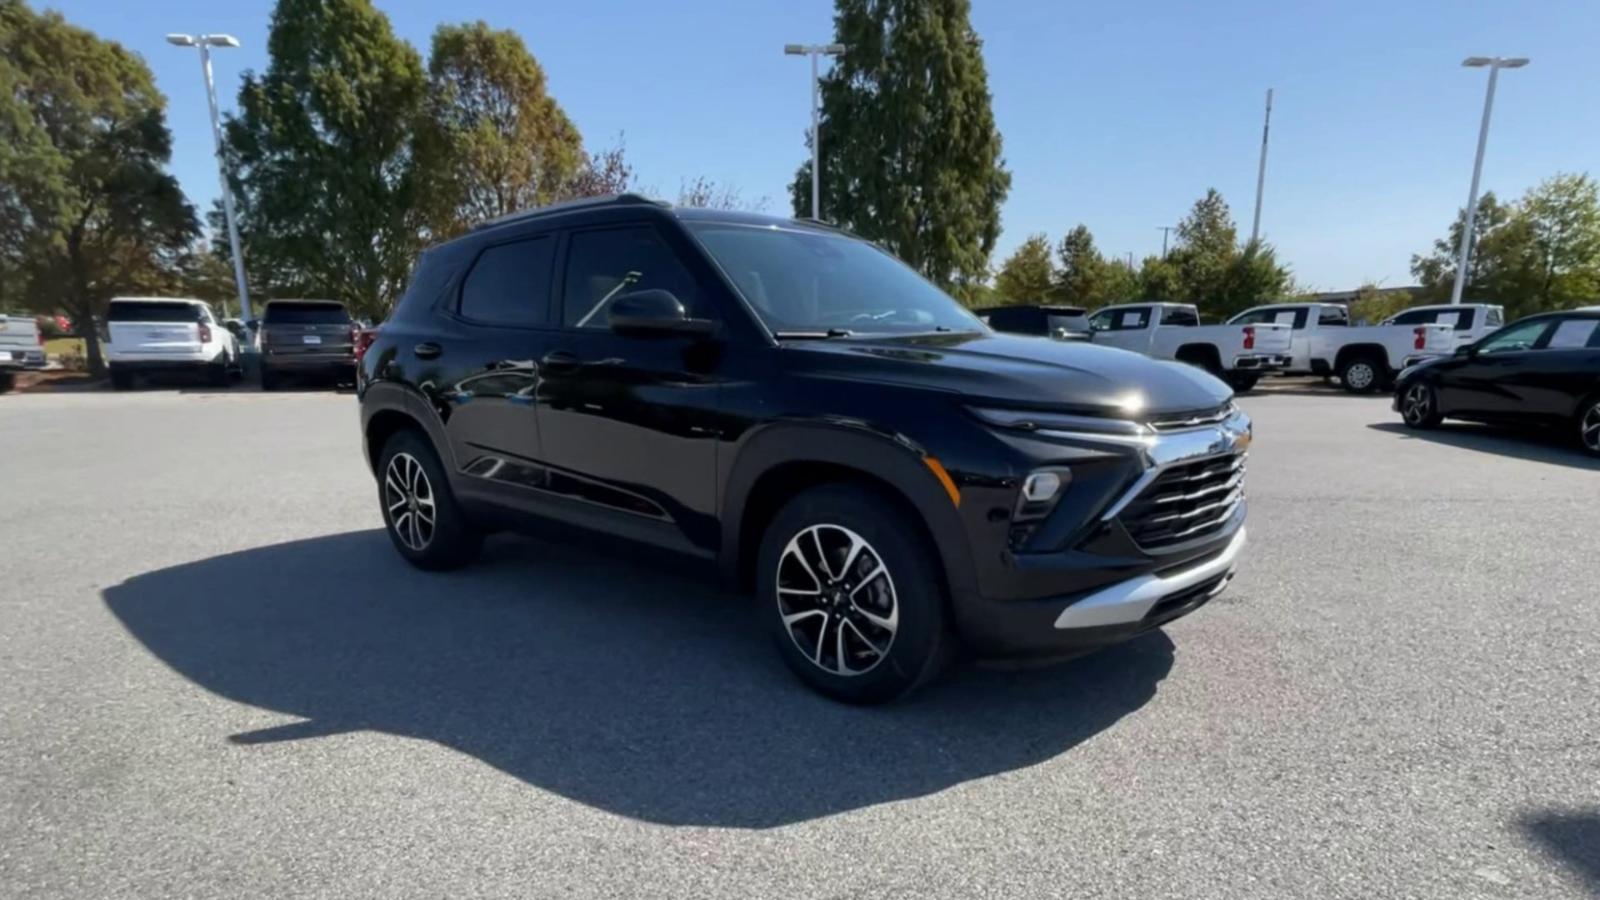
(1589, 426)
(1419, 405)
(853, 595)
(423, 519)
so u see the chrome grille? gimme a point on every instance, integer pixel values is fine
(1194, 420)
(1186, 502)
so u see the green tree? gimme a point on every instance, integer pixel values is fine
(1027, 275)
(1563, 214)
(1373, 305)
(1081, 279)
(87, 209)
(1158, 279)
(1437, 270)
(910, 152)
(1210, 269)
(492, 141)
(1119, 282)
(322, 155)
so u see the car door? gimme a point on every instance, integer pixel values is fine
(629, 422)
(1127, 327)
(484, 372)
(1488, 381)
(1563, 371)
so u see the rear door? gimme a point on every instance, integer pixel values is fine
(156, 328)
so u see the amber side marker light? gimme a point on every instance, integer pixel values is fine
(938, 471)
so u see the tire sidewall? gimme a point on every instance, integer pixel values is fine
(1433, 417)
(454, 541)
(920, 639)
(1371, 385)
(1583, 412)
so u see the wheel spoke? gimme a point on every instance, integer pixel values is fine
(856, 543)
(887, 624)
(396, 505)
(864, 639)
(838, 649)
(871, 576)
(402, 526)
(799, 593)
(831, 600)
(793, 618)
(822, 555)
(822, 635)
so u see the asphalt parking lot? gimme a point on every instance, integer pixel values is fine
(218, 680)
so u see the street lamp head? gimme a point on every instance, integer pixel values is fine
(180, 40)
(794, 49)
(833, 49)
(1499, 62)
(221, 40)
(1516, 62)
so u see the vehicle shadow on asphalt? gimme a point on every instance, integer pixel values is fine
(1531, 444)
(635, 689)
(1572, 839)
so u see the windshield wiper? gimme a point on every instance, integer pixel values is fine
(817, 335)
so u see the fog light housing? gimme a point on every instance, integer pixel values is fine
(1039, 493)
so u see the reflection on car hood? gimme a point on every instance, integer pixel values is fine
(1020, 371)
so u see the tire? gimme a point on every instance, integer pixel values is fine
(880, 630)
(217, 373)
(411, 481)
(1361, 374)
(8, 380)
(1243, 381)
(121, 381)
(1589, 426)
(1419, 406)
(269, 379)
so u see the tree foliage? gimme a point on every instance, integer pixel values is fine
(1541, 252)
(87, 209)
(705, 193)
(323, 159)
(910, 152)
(1027, 275)
(1209, 268)
(492, 141)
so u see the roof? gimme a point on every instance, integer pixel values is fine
(684, 213)
(156, 300)
(1045, 307)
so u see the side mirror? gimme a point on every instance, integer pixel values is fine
(654, 312)
(253, 324)
(1467, 350)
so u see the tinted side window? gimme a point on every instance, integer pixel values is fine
(510, 283)
(1573, 333)
(1254, 317)
(1018, 321)
(1416, 317)
(602, 265)
(1495, 317)
(1181, 317)
(1333, 315)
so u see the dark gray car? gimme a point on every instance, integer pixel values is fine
(311, 338)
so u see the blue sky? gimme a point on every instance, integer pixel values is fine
(1118, 115)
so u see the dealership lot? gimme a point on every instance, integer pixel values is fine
(218, 680)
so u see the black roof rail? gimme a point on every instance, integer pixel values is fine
(624, 199)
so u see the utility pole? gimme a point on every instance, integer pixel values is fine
(1261, 171)
(1495, 64)
(814, 51)
(1165, 230)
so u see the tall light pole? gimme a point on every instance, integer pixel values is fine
(205, 42)
(1261, 171)
(814, 51)
(1495, 64)
(1165, 230)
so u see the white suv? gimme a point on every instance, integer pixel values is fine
(159, 335)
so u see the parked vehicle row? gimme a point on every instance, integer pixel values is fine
(21, 348)
(798, 407)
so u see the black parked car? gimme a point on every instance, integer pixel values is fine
(1542, 370)
(307, 339)
(799, 407)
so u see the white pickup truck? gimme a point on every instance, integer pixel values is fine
(1239, 356)
(1470, 321)
(1364, 357)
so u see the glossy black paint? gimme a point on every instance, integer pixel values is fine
(1542, 385)
(687, 441)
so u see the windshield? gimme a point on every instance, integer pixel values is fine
(799, 280)
(152, 311)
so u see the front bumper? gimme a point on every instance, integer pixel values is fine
(336, 362)
(1114, 560)
(147, 366)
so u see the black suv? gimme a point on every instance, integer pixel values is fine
(309, 338)
(885, 473)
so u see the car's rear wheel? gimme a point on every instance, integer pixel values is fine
(8, 381)
(217, 372)
(1589, 426)
(1361, 374)
(121, 380)
(851, 591)
(424, 521)
(269, 379)
(1419, 405)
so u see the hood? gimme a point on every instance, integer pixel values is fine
(1015, 370)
